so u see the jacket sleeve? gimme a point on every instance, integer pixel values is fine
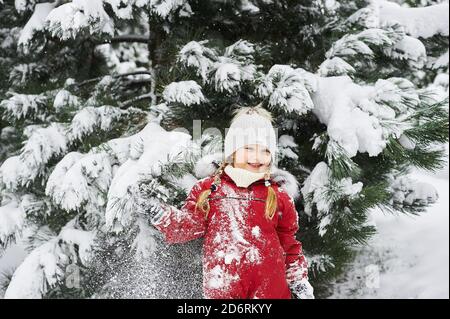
(296, 263)
(179, 225)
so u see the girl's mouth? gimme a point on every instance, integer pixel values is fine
(255, 165)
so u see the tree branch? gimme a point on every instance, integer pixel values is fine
(114, 76)
(127, 103)
(128, 38)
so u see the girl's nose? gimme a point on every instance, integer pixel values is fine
(254, 158)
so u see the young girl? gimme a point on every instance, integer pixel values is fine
(247, 220)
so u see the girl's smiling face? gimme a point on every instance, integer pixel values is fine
(252, 157)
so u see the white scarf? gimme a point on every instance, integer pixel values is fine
(242, 177)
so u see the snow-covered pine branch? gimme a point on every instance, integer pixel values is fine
(411, 195)
(320, 263)
(382, 110)
(185, 92)
(196, 55)
(47, 265)
(288, 88)
(49, 142)
(67, 20)
(12, 220)
(164, 8)
(228, 75)
(90, 119)
(21, 106)
(35, 24)
(352, 44)
(241, 50)
(394, 29)
(39, 270)
(24, 5)
(80, 179)
(120, 68)
(92, 181)
(65, 100)
(361, 118)
(392, 42)
(322, 191)
(147, 157)
(421, 22)
(226, 72)
(334, 67)
(22, 73)
(44, 144)
(287, 147)
(16, 213)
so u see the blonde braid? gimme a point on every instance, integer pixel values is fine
(271, 200)
(202, 201)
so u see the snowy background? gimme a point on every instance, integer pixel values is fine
(409, 253)
(407, 258)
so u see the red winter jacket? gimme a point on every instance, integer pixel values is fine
(244, 254)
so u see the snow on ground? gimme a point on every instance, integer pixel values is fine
(409, 256)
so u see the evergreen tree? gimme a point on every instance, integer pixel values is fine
(359, 91)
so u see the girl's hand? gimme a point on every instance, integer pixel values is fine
(297, 279)
(302, 289)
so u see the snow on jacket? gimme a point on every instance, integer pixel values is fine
(245, 255)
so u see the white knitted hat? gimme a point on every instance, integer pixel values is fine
(251, 125)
